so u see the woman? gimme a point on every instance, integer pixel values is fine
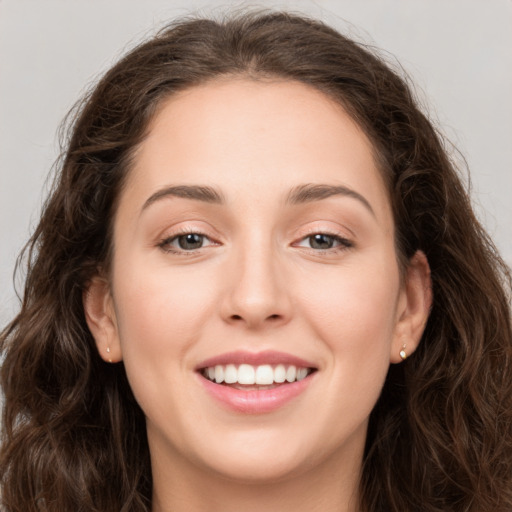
(257, 284)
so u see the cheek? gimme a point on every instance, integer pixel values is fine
(355, 302)
(355, 314)
(158, 305)
(160, 314)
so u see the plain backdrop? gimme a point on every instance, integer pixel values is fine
(458, 53)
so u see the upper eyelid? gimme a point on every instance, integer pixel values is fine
(177, 234)
(340, 238)
(214, 236)
(316, 230)
(179, 229)
(166, 244)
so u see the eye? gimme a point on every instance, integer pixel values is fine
(324, 241)
(185, 242)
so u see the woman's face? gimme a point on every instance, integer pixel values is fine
(254, 242)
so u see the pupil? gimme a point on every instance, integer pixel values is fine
(190, 241)
(320, 241)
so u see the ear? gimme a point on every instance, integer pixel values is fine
(413, 308)
(101, 319)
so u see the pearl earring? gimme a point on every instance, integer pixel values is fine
(108, 352)
(403, 353)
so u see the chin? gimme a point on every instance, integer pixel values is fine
(260, 470)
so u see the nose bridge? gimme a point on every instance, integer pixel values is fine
(257, 294)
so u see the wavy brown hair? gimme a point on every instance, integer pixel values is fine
(440, 436)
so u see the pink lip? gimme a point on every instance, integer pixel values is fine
(255, 359)
(256, 401)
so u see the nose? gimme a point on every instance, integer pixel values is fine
(257, 295)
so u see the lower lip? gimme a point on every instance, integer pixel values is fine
(256, 401)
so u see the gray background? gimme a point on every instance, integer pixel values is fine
(457, 51)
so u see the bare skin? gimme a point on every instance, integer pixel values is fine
(255, 220)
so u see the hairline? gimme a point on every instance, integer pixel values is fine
(252, 75)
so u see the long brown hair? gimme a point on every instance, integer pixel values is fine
(440, 436)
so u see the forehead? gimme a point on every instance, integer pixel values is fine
(259, 136)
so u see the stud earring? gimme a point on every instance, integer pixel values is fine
(108, 352)
(403, 353)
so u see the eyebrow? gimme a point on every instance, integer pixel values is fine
(301, 194)
(316, 192)
(197, 192)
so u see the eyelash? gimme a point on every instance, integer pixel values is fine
(165, 244)
(343, 243)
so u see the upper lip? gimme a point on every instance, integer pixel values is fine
(255, 359)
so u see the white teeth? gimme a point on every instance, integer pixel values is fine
(219, 374)
(291, 373)
(231, 374)
(262, 375)
(246, 374)
(279, 374)
(302, 373)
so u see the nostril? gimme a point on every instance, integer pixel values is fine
(271, 317)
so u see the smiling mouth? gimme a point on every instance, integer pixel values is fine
(249, 377)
